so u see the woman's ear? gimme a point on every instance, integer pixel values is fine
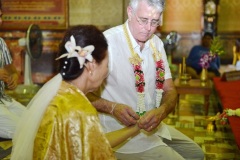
(91, 66)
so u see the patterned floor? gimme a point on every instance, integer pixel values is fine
(5, 149)
(217, 141)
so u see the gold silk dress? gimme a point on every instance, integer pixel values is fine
(70, 129)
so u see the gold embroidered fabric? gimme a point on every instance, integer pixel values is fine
(70, 129)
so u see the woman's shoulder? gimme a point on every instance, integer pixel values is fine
(71, 99)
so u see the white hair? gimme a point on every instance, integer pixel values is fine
(158, 4)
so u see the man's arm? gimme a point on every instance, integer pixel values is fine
(155, 116)
(169, 98)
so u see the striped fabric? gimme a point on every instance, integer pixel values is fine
(5, 59)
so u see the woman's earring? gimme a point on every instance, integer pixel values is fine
(90, 72)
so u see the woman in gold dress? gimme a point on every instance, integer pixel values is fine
(60, 122)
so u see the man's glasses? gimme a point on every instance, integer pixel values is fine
(144, 21)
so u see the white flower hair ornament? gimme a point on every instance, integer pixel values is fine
(76, 51)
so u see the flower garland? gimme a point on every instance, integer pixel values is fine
(223, 117)
(136, 61)
(227, 113)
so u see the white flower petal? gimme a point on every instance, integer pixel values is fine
(89, 57)
(73, 54)
(63, 55)
(89, 48)
(73, 40)
(81, 61)
(69, 46)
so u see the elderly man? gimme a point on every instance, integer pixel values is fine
(140, 89)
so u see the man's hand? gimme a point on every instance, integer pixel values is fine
(151, 119)
(12, 81)
(3, 75)
(12, 76)
(125, 114)
(154, 117)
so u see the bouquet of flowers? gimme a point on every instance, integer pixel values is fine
(216, 49)
(206, 59)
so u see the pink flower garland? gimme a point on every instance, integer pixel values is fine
(223, 117)
(140, 82)
(139, 76)
(160, 72)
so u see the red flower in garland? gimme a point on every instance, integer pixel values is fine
(140, 88)
(160, 72)
(137, 67)
(159, 64)
(159, 85)
(139, 77)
